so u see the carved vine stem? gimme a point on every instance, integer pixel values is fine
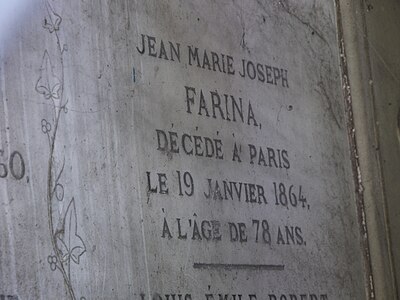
(50, 192)
(67, 245)
(50, 186)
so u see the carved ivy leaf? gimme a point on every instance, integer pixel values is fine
(48, 84)
(53, 20)
(69, 243)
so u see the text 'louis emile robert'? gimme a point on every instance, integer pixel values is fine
(213, 61)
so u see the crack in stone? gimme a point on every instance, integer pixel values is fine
(285, 6)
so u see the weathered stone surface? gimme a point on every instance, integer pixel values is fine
(139, 159)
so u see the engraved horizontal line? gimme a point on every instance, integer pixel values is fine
(257, 267)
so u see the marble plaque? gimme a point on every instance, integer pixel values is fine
(175, 150)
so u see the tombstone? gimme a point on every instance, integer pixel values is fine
(178, 150)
